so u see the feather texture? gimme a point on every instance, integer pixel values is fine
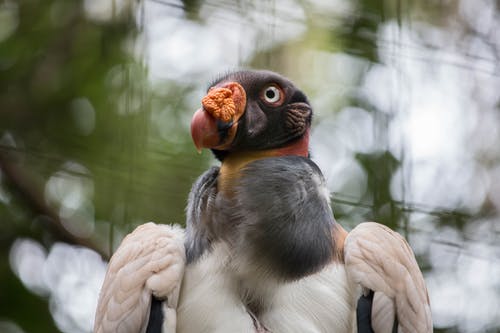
(150, 261)
(383, 313)
(381, 260)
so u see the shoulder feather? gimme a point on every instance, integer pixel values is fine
(149, 261)
(381, 260)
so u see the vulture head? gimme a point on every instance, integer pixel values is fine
(253, 111)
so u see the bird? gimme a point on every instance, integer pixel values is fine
(261, 250)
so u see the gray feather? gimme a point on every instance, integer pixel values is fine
(280, 217)
(199, 214)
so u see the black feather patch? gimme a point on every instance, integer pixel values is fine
(364, 313)
(156, 316)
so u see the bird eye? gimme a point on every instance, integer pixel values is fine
(273, 95)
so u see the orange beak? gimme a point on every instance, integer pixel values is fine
(216, 123)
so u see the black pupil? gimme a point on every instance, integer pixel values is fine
(270, 93)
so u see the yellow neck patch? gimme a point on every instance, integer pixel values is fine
(232, 166)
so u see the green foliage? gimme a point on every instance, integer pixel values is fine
(77, 110)
(380, 168)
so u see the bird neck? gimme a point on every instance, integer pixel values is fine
(339, 235)
(298, 147)
(235, 161)
(231, 166)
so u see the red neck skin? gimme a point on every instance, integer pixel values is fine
(298, 148)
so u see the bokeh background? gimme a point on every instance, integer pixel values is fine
(96, 98)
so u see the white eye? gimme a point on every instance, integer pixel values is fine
(272, 94)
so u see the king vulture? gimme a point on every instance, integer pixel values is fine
(261, 251)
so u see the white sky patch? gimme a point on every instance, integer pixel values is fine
(436, 109)
(71, 190)
(337, 135)
(181, 49)
(440, 115)
(480, 13)
(104, 10)
(444, 108)
(71, 276)
(26, 260)
(462, 285)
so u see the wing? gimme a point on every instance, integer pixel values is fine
(149, 262)
(381, 260)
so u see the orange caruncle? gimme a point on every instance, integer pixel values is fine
(220, 104)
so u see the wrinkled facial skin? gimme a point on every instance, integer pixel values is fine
(275, 114)
(265, 126)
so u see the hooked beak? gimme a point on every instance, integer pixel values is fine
(216, 123)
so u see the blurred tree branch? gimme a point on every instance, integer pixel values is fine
(29, 189)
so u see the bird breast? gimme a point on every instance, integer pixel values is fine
(213, 300)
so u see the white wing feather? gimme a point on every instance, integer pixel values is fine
(381, 260)
(149, 261)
